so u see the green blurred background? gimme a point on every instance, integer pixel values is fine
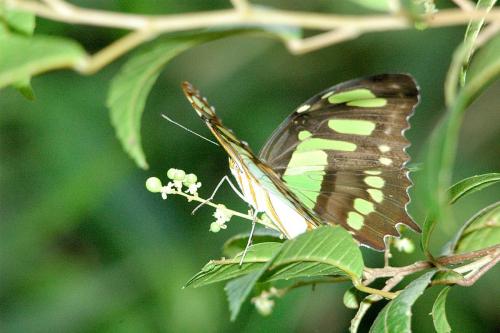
(85, 248)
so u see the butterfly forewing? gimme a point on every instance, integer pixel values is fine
(342, 153)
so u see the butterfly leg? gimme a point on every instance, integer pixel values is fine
(225, 178)
(254, 220)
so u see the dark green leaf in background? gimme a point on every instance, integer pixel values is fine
(483, 70)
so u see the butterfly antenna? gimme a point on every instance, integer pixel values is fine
(187, 129)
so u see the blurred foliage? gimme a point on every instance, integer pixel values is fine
(85, 248)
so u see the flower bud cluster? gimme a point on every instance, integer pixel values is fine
(179, 179)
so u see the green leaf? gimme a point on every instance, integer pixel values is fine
(18, 21)
(257, 257)
(301, 269)
(461, 58)
(351, 298)
(237, 291)
(237, 243)
(447, 277)
(24, 87)
(395, 317)
(484, 69)
(130, 88)
(22, 23)
(481, 231)
(471, 185)
(322, 251)
(22, 57)
(439, 314)
(471, 34)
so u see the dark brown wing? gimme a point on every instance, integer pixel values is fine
(342, 153)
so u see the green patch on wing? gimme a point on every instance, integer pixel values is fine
(317, 144)
(309, 188)
(352, 126)
(352, 95)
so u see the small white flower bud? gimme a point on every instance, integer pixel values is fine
(190, 179)
(153, 184)
(171, 173)
(214, 227)
(179, 175)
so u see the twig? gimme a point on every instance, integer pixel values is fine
(459, 258)
(470, 280)
(338, 28)
(370, 299)
(300, 46)
(114, 51)
(465, 5)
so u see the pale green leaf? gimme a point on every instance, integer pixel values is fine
(22, 23)
(22, 57)
(395, 317)
(18, 21)
(257, 257)
(472, 184)
(481, 231)
(130, 89)
(301, 269)
(322, 251)
(439, 312)
(319, 252)
(237, 243)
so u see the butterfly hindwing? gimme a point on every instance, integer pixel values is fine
(342, 153)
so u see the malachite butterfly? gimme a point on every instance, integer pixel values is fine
(339, 158)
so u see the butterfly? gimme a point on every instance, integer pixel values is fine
(338, 159)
